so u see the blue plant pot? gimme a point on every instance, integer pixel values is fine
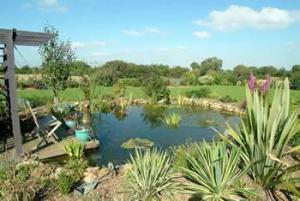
(71, 123)
(82, 134)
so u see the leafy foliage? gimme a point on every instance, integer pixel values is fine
(57, 57)
(65, 183)
(60, 110)
(202, 92)
(76, 162)
(150, 176)
(190, 78)
(156, 88)
(264, 137)
(214, 174)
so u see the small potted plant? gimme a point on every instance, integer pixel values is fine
(68, 112)
(83, 134)
(71, 120)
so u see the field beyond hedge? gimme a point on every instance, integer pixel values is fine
(75, 94)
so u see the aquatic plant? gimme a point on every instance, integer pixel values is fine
(172, 120)
(150, 176)
(263, 138)
(213, 173)
(137, 143)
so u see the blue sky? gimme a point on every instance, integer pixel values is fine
(174, 32)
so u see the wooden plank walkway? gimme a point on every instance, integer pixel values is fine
(57, 149)
(49, 151)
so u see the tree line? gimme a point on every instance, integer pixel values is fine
(111, 71)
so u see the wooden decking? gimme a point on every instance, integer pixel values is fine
(45, 152)
(57, 149)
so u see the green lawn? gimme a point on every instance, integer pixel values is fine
(75, 94)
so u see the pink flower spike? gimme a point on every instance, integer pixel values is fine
(266, 85)
(252, 82)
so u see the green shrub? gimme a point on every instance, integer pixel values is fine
(150, 176)
(264, 137)
(214, 174)
(179, 153)
(76, 162)
(17, 183)
(202, 92)
(134, 82)
(156, 89)
(65, 183)
(119, 88)
(227, 99)
(37, 100)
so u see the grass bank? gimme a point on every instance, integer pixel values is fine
(74, 94)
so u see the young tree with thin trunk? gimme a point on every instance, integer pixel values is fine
(57, 57)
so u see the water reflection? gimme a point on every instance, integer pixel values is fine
(153, 115)
(120, 113)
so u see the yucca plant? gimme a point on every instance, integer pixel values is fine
(214, 175)
(150, 176)
(172, 120)
(264, 136)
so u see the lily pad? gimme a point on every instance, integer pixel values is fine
(139, 143)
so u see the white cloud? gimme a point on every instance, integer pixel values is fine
(146, 30)
(77, 44)
(237, 17)
(100, 54)
(133, 32)
(202, 34)
(172, 49)
(52, 5)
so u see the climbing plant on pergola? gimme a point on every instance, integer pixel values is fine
(8, 40)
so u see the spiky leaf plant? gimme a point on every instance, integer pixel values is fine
(150, 176)
(213, 173)
(264, 136)
(172, 120)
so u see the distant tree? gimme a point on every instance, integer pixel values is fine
(241, 72)
(212, 63)
(266, 70)
(57, 57)
(190, 78)
(296, 68)
(79, 68)
(195, 66)
(295, 77)
(177, 72)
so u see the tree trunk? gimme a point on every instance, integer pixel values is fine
(55, 98)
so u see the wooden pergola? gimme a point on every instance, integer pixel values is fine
(8, 40)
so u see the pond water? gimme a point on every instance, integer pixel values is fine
(115, 128)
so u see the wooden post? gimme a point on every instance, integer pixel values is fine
(10, 78)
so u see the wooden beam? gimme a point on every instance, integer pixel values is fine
(26, 38)
(10, 78)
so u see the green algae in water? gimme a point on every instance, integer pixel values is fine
(139, 143)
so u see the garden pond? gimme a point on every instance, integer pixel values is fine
(115, 128)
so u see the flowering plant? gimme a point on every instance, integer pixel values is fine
(262, 88)
(62, 110)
